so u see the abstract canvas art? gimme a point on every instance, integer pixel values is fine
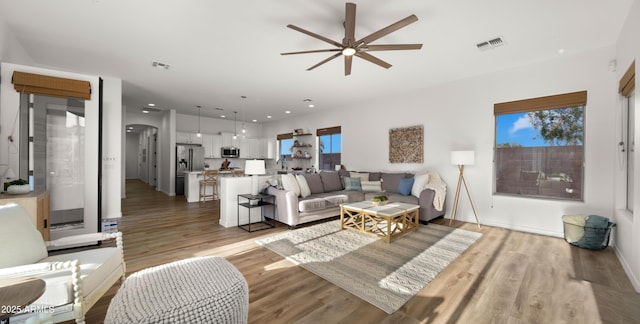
(406, 145)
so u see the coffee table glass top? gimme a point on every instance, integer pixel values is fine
(383, 210)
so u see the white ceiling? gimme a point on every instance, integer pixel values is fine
(219, 51)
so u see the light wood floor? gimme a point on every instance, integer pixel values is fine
(505, 277)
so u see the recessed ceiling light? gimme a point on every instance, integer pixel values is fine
(561, 51)
(130, 127)
(287, 111)
(223, 116)
(255, 120)
(151, 105)
(128, 131)
(145, 111)
(269, 116)
(311, 105)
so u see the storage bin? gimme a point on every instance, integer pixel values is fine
(589, 232)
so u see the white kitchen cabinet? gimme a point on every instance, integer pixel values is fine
(212, 145)
(188, 138)
(228, 141)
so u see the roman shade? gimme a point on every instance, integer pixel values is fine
(573, 99)
(329, 130)
(50, 86)
(628, 81)
(284, 136)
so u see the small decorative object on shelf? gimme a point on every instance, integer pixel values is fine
(379, 200)
(297, 131)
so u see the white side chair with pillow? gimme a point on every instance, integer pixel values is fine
(74, 281)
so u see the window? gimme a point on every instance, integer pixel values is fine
(285, 141)
(329, 147)
(539, 148)
(627, 90)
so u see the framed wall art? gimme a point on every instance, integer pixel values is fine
(406, 145)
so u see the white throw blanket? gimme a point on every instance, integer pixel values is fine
(439, 187)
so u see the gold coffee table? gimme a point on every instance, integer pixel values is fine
(387, 222)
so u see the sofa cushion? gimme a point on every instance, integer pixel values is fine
(330, 181)
(311, 204)
(364, 176)
(391, 181)
(314, 182)
(420, 181)
(336, 200)
(20, 240)
(290, 183)
(371, 186)
(304, 187)
(404, 188)
(352, 184)
(95, 267)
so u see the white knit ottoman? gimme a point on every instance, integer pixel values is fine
(196, 290)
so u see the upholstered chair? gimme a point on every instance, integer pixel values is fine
(74, 281)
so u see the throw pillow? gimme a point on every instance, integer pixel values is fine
(304, 186)
(371, 186)
(352, 184)
(330, 181)
(420, 180)
(290, 183)
(404, 188)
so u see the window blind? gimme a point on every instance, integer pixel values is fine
(329, 130)
(284, 136)
(572, 99)
(50, 86)
(628, 81)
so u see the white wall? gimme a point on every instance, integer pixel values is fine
(111, 147)
(459, 115)
(627, 238)
(188, 123)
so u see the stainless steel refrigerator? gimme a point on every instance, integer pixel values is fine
(188, 158)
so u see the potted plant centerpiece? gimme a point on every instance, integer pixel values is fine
(17, 187)
(379, 200)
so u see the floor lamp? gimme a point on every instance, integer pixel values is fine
(462, 158)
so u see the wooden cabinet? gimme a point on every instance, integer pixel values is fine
(36, 204)
(188, 138)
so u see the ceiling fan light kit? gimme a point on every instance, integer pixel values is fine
(350, 47)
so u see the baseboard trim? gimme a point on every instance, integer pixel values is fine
(627, 269)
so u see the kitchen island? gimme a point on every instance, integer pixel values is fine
(192, 184)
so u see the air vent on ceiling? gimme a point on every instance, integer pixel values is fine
(490, 44)
(160, 65)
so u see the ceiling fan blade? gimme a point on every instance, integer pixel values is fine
(314, 35)
(388, 30)
(313, 51)
(393, 47)
(373, 59)
(347, 64)
(350, 25)
(325, 61)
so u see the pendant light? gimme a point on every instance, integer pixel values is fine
(244, 130)
(199, 108)
(235, 124)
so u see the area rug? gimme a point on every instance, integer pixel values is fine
(385, 275)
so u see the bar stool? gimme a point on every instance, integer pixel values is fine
(210, 178)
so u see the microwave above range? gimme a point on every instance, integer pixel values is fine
(230, 152)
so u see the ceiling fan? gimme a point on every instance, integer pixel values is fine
(351, 47)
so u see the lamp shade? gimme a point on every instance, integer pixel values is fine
(254, 167)
(463, 157)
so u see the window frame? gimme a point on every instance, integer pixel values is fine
(324, 132)
(560, 101)
(627, 91)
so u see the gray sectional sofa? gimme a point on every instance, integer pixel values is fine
(309, 197)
